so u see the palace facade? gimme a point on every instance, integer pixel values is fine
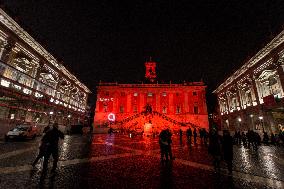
(252, 98)
(151, 106)
(34, 86)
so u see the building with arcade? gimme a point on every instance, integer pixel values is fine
(252, 97)
(151, 106)
(34, 86)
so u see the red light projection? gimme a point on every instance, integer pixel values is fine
(151, 107)
(150, 74)
(136, 106)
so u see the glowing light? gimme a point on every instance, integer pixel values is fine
(251, 115)
(239, 119)
(69, 116)
(51, 113)
(5, 83)
(111, 117)
(105, 99)
(17, 87)
(27, 91)
(260, 117)
(51, 100)
(38, 95)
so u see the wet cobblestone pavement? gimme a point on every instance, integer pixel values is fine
(117, 161)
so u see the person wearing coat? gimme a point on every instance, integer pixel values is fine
(228, 149)
(214, 149)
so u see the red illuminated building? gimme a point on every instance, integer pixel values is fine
(152, 106)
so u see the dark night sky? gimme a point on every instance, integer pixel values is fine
(110, 40)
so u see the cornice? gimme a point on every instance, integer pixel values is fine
(274, 43)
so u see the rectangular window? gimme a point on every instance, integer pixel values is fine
(164, 94)
(195, 109)
(107, 93)
(150, 94)
(135, 94)
(194, 93)
(164, 110)
(122, 94)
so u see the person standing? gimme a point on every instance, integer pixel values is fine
(194, 135)
(163, 141)
(169, 135)
(42, 147)
(228, 149)
(51, 138)
(188, 135)
(215, 149)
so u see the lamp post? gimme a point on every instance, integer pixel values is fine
(261, 121)
(251, 116)
(50, 115)
(240, 122)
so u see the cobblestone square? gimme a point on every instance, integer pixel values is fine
(118, 161)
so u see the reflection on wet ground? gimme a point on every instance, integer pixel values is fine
(118, 161)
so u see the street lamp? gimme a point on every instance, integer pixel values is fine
(240, 124)
(50, 115)
(252, 124)
(261, 121)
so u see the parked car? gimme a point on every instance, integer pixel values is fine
(22, 131)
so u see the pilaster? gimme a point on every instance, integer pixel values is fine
(128, 103)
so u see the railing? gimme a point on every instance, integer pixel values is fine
(170, 85)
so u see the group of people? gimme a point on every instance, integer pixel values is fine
(221, 148)
(49, 146)
(252, 138)
(202, 133)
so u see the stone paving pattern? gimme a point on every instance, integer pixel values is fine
(118, 161)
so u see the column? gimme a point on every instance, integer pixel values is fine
(186, 107)
(281, 74)
(254, 88)
(142, 103)
(128, 103)
(228, 101)
(158, 107)
(171, 103)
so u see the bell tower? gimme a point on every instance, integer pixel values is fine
(150, 74)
